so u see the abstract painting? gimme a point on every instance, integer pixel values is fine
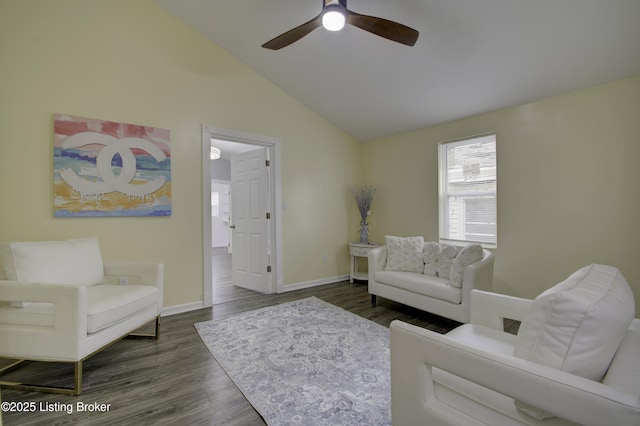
(103, 168)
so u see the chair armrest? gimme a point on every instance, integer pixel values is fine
(490, 309)
(141, 273)
(64, 339)
(414, 351)
(377, 259)
(480, 274)
(145, 273)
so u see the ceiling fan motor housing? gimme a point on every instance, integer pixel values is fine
(342, 3)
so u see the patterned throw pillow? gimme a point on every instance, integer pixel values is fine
(468, 255)
(404, 254)
(438, 259)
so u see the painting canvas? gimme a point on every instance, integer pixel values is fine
(103, 168)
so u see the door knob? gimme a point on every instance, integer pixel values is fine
(232, 227)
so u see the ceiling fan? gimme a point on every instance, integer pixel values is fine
(335, 15)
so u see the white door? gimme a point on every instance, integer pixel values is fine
(220, 233)
(250, 236)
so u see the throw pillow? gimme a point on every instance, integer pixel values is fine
(438, 259)
(404, 254)
(76, 262)
(468, 255)
(577, 325)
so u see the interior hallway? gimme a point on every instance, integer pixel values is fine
(223, 289)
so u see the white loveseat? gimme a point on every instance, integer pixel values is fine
(575, 360)
(429, 276)
(59, 302)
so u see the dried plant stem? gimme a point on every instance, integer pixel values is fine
(364, 198)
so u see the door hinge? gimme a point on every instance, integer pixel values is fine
(266, 163)
(269, 268)
(268, 215)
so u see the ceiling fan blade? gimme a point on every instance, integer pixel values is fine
(293, 35)
(384, 28)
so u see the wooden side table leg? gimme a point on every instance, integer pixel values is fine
(352, 270)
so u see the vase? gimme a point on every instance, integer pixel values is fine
(364, 232)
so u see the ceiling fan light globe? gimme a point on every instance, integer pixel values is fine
(333, 20)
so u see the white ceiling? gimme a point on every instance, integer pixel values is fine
(228, 148)
(472, 56)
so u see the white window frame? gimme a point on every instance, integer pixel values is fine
(445, 209)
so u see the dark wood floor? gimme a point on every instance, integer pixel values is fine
(223, 288)
(175, 380)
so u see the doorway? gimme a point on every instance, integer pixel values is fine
(221, 269)
(222, 286)
(220, 213)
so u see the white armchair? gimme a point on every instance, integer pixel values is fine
(66, 319)
(470, 376)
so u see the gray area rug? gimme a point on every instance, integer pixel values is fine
(306, 363)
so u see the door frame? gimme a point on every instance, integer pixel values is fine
(273, 144)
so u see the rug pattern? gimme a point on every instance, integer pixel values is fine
(306, 362)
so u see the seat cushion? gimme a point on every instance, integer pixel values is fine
(109, 304)
(484, 338)
(32, 314)
(426, 285)
(485, 405)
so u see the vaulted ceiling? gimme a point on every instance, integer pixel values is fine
(472, 56)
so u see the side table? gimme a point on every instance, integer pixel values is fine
(359, 250)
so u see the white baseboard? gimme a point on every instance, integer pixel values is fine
(314, 283)
(194, 306)
(180, 309)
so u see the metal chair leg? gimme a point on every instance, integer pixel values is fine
(155, 335)
(77, 381)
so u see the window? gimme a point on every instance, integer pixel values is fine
(468, 190)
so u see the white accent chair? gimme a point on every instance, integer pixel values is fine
(60, 303)
(471, 376)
